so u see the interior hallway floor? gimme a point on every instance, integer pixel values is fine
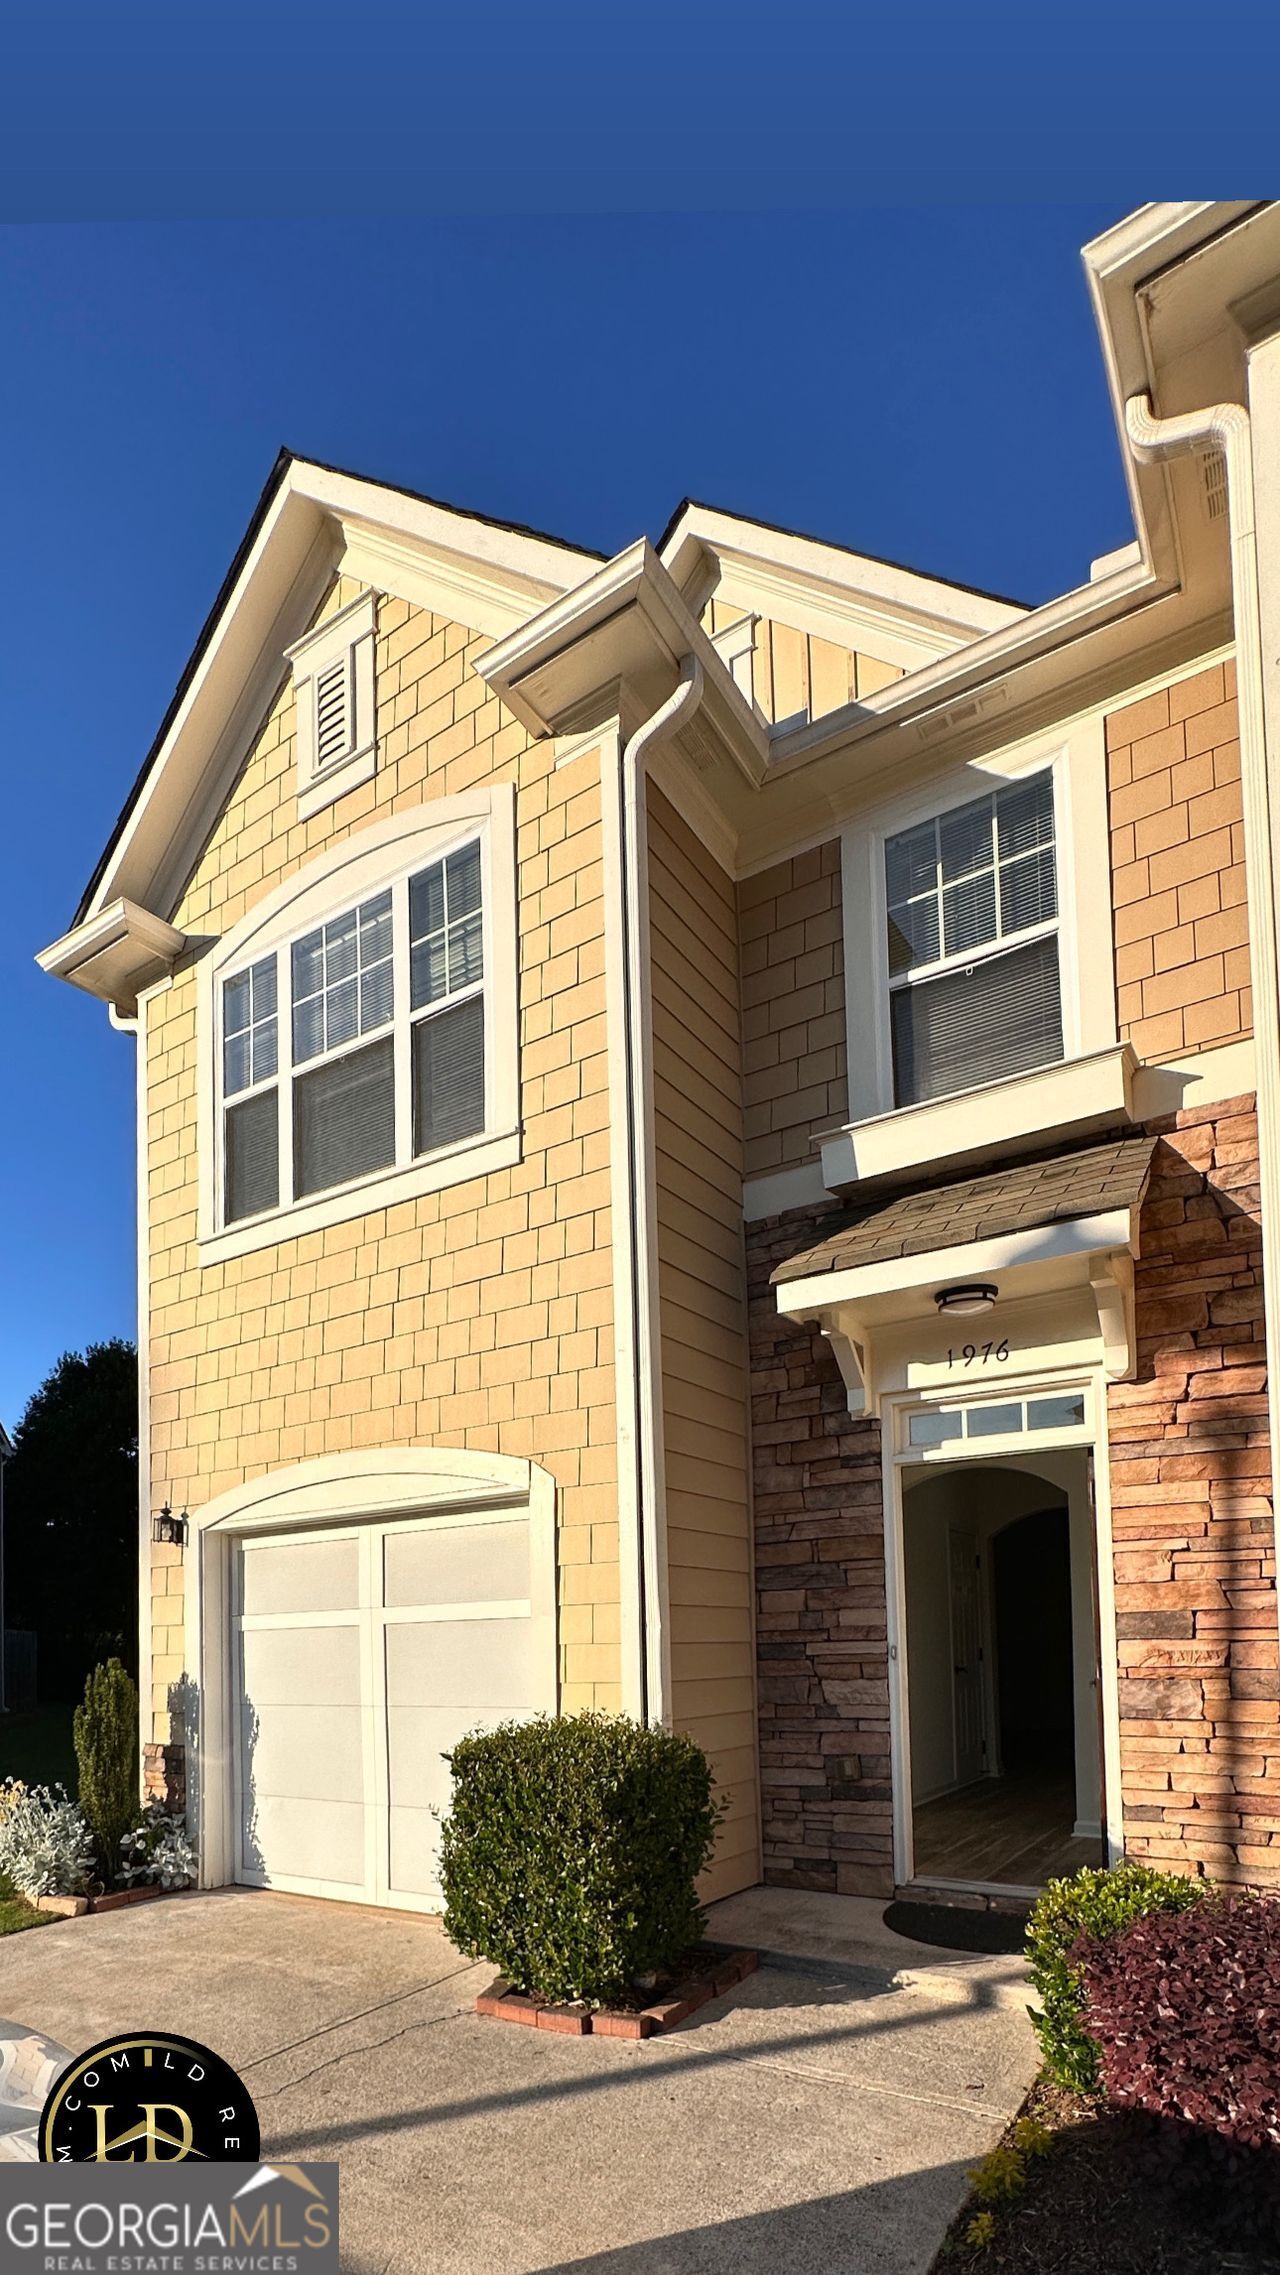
(1014, 1830)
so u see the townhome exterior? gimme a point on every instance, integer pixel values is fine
(709, 1134)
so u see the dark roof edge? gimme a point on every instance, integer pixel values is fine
(284, 459)
(807, 537)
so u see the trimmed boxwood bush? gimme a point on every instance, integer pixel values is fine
(571, 1852)
(1093, 1904)
(1185, 2012)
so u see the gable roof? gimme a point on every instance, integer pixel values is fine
(305, 514)
(1021, 1197)
(285, 459)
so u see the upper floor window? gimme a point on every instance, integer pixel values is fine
(364, 1026)
(324, 1110)
(974, 985)
(334, 704)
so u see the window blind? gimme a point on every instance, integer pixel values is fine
(977, 1023)
(448, 1076)
(344, 1119)
(252, 1157)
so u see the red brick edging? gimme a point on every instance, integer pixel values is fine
(119, 1897)
(504, 2005)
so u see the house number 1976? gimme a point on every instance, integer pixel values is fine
(980, 1354)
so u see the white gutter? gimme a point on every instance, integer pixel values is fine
(646, 1643)
(1226, 427)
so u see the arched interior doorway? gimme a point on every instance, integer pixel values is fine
(1002, 1671)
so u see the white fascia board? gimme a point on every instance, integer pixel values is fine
(1046, 1244)
(955, 678)
(280, 582)
(115, 954)
(633, 585)
(298, 548)
(943, 615)
(1116, 265)
(539, 563)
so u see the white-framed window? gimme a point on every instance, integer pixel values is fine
(359, 1028)
(977, 925)
(335, 704)
(971, 899)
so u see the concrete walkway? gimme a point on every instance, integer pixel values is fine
(792, 1927)
(812, 2123)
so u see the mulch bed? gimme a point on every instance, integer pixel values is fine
(1101, 2201)
(704, 1974)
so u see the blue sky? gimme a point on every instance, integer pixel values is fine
(919, 381)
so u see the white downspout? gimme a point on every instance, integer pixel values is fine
(1226, 427)
(637, 1334)
(137, 1028)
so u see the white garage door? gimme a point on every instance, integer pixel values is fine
(364, 1653)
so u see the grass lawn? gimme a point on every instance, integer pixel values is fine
(38, 1747)
(16, 1913)
(1099, 2201)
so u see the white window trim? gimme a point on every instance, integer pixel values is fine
(1086, 970)
(348, 637)
(361, 865)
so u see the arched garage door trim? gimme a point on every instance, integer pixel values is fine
(440, 1485)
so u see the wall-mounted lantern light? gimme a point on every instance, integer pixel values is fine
(166, 1527)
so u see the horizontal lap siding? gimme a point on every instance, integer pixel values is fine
(697, 1082)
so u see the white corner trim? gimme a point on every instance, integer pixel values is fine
(383, 853)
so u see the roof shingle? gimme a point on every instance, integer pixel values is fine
(1014, 1198)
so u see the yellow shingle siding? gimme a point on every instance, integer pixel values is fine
(793, 1009)
(480, 1316)
(796, 675)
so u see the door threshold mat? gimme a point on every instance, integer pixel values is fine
(953, 1927)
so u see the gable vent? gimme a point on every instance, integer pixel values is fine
(1213, 473)
(332, 732)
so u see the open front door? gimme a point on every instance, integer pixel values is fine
(966, 1653)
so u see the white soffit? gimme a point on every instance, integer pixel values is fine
(316, 521)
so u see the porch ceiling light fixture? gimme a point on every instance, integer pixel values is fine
(166, 1527)
(976, 1295)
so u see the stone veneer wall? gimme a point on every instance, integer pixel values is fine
(1194, 1551)
(821, 1637)
(1191, 1490)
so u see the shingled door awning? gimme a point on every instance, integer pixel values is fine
(1034, 1228)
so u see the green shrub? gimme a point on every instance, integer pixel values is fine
(1093, 1904)
(570, 1855)
(106, 1735)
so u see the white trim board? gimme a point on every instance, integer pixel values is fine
(414, 1485)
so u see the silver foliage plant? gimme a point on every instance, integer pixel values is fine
(158, 1850)
(46, 1848)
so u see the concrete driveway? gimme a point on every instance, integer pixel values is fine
(810, 2123)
